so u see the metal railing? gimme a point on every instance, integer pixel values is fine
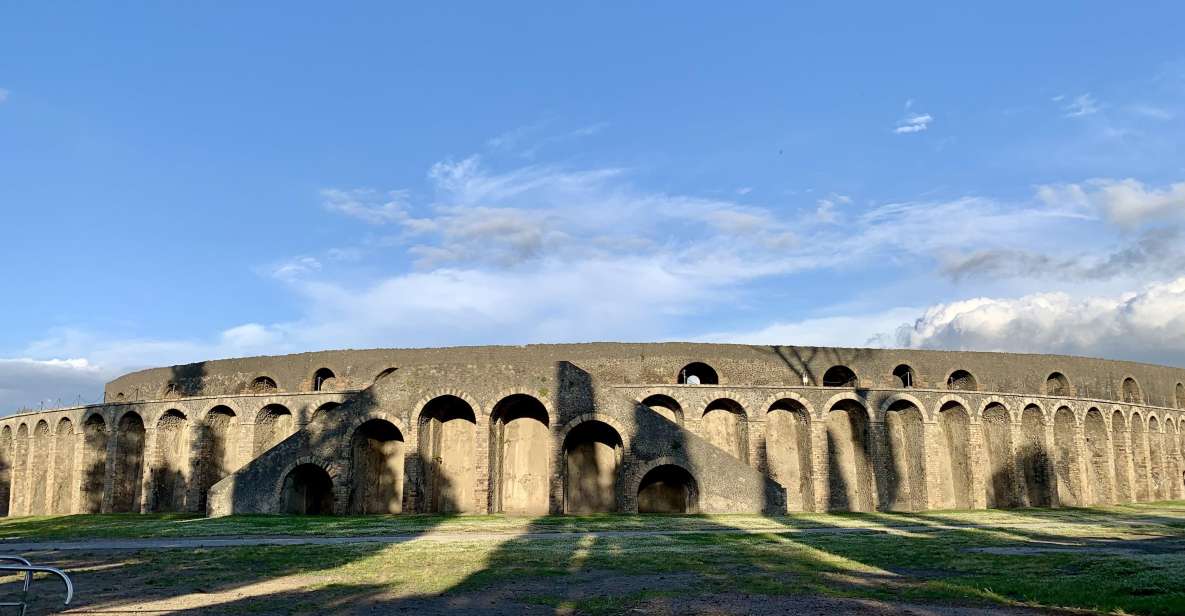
(28, 568)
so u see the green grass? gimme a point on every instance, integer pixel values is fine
(615, 574)
(169, 525)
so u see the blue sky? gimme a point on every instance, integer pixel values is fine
(184, 181)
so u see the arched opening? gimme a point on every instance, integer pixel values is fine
(448, 448)
(1131, 391)
(903, 376)
(263, 385)
(1000, 486)
(39, 471)
(1156, 488)
(1057, 384)
(20, 488)
(376, 468)
(956, 473)
(521, 454)
(1180, 395)
(1065, 463)
(216, 450)
(129, 464)
(1099, 457)
(665, 406)
(724, 425)
(172, 390)
(324, 380)
(5, 470)
(273, 424)
(63, 468)
(840, 376)
(94, 463)
(384, 374)
(788, 452)
(1140, 459)
(592, 452)
(668, 489)
(308, 490)
(698, 373)
(961, 380)
(905, 479)
(168, 466)
(849, 467)
(328, 406)
(1034, 458)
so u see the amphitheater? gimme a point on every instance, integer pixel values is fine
(601, 427)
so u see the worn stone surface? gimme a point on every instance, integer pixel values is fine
(605, 427)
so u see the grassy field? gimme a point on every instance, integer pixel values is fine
(1127, 559)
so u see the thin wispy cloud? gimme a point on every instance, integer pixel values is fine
(913, 123)
(1080, 106)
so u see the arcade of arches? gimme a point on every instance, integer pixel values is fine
(902, 457)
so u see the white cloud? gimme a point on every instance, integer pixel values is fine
(913, 123)
(1081, 106)
(30, 384)
(1148, 324)
(1151, 111)
(863, 330)
(367, 205)
(825, 208)
(1128, 203)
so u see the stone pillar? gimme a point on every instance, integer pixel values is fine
(51, 459)
(979, 464)
(1126, 467)
(148, 464)
(879, 462)
(936, 464)
(1050, 446)
(755, 435)
(109, 469)
(820, 478)
(1019, 494)
(1080, 471)
(79, 470)
(481, 470)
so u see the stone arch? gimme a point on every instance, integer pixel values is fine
(6, 456)
(1139, 438)
(788, 451)
(1179, 395)
(324, 380)
(520, 456)
(593, 452)
(216, 445)
(1157, 485)
(169, 468)
(1034, 457)
(947, 400)
(1099, 457)
(273, 424)
(849, 466)
(904, 477)
(954, 477)
(384, 374)
(668, 488)
(725, 426)
(666, 406)
(1120, 457)
(39, 469)
(263, 385)
(840, 376)
(698, 373)
(904, 376)
(63, 467)
(128, 463)
(94, 463)
(962, 380)
(376, 468)
(1000, 486)
(1056, 384)
(448, 451)
(1131, 391)
(307, 489)
(1065, 461)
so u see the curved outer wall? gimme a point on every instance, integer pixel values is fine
(554, 428)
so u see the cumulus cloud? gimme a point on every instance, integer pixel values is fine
(1147, 324)
(31, 384)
